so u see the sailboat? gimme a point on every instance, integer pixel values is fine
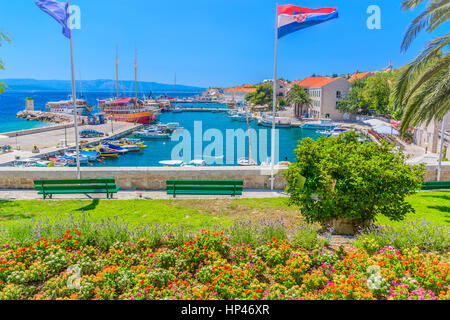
(249, 161)
(128, 109)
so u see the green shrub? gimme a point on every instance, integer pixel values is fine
(344, 178)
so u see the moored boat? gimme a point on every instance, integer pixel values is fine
(279, 122)
(67, 107)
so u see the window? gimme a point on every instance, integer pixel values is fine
(338, 94)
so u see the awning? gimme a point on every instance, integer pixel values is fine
(385, 130)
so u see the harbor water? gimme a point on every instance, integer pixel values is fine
(195, 143)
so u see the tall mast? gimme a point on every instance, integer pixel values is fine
(175, 87)
(135, 81)
(117, 70)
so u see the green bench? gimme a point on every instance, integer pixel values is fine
(75, 186)
(205, 187)
(436, 185)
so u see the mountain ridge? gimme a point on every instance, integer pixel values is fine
(99, 85)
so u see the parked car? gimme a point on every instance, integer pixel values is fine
(88, 133)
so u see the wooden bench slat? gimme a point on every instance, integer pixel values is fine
(205, 187)
(73, 181)
(434, 185)
(80, 191)
(76, 187)
(200, 192)
(49, 187)
(211, 188)
(205, 182)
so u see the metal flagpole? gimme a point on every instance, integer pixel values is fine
(444, 120)
(272, 178)
(74, 96)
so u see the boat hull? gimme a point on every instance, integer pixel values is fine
(317, 127)
(277, 125)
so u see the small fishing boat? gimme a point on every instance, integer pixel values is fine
(149, 134)
(25, 163)
(324, 124)
(247, 162)
(198, 163)
(128, 147)
(83, 160)
(63, 162)
(176, 163)
(131, 141)
(117, 148)
(279, 122)
(177, 109)
(43, 163)
(239, 117)
(104, 151)
(89, 155)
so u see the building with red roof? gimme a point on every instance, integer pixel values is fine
(237, 94)
(325, 93)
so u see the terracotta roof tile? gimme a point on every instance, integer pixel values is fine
(315, 82)
(360, 75)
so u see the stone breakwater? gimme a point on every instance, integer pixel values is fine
(43, 116)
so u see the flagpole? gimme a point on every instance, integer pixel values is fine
(272, 177)
(74, 96)
(444, 121)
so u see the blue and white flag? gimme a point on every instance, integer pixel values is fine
(59, 11)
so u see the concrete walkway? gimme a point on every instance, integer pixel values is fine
(47, 141)
(130, 194)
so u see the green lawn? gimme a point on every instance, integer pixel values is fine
(430, 206)
(433, 206)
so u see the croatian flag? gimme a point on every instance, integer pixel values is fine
(58, 11)
(293, 18)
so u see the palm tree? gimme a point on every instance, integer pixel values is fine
(298, 96)
(422, 89)
(5, 37)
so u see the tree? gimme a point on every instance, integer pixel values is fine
(263, 94)
(298, 96)
(422, 89)
(353, 102)
(376, 92)
(342, 178)
(3, 37)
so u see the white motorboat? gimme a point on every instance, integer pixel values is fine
(239, 117)
(247, 162)
(150, 134)
(25, 163)
(198, 163)
(177, 163)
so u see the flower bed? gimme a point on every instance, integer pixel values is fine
(211, 266)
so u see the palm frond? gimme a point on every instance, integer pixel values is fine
(429, 101)
(439, 66)
(431, 52)
(434, 15)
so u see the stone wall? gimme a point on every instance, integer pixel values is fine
(153, 178)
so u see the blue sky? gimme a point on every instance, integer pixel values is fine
(207, 43)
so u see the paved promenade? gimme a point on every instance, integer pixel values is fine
(48, 141)
(11, 195)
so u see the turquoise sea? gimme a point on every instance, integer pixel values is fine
(197, 141)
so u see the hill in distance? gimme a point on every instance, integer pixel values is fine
(101, 85)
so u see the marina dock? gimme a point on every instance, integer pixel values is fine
(48, 139)
(205, 109)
